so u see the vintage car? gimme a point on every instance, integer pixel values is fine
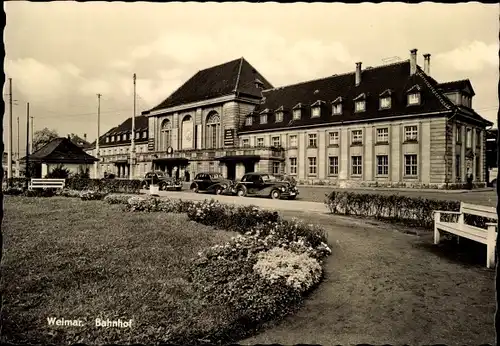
(266, 185)
(212, 182)
(162, 179)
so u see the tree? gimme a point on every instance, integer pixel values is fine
(42, 137)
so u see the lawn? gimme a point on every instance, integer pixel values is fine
(70, 259)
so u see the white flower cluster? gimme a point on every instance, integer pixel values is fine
(298, 270)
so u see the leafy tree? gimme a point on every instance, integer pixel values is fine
(42, 137)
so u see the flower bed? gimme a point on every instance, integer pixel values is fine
(411, 211)
(263, 273)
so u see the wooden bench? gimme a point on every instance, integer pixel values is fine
(485, 236)
(46, 183)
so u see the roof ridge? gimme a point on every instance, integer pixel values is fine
(422, 75)
(218, 65)
(238, 77)
(455, 81)
(337, 75)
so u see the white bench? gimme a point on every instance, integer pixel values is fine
(485, 236)
(46, 183)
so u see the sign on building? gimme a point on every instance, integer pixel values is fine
(229, 137)
(151, 144)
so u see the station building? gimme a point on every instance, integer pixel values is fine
(391, 125)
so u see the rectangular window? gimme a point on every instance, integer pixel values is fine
(478, 137)
(137, 135)
(337, 109)
(385, 102)
(107, 139)
(468, 138)
(312, 165)
(293, 165)
(276, 141)
(245, 142)
(411, 133)
(359, 106)
(458, 167)
(382, 165)
(411, 165)
(333, 138)
(112, 138)
(260, 142)
(383, 135)
(478, 170)
(293, 141)
(144, 134)
(357, 136)
(316, 112)
(296, 114)
(458, 135)
(414, 99)
(357, 168)
(313, 140)
(276, 168)
(263, 119)
(124, 137)
(248, 121)
(279, 117)
(333, 165)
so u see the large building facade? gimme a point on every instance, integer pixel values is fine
(392, 125)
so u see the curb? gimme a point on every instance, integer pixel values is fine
(397, 189)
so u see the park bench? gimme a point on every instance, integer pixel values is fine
(46, 183)
(460, 228)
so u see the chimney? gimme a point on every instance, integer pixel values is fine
(427, 64)
(358, 73)
(413, 62)
(85, 137)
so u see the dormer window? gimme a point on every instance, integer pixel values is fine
(107, 139)
(137, 135)
(385, 99)
(263, 118)
(360, 103)
(144, 134)
(337, 106)
(414, 95)
(297, 112)
(279, 117)
(316, 109)
(112, 138)
(248, 121)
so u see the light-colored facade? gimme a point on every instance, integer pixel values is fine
(391, 125)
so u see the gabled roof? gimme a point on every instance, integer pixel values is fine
(459, 85)
(236, 76)
(61, 150)
(141, 124)
(374, 81)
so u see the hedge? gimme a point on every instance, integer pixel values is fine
(410, 211)
(104, 185)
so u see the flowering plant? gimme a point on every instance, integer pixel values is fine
(300, 272)
(92, 195)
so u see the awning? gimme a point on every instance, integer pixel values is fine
(172, 160)
(239, 158)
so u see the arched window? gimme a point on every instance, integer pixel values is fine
(166, 134)
(212, 133)
(187, 132)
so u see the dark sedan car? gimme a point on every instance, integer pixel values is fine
(213, 183)
(163, 180)
(266, 185)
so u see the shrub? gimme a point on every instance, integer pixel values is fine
(81, 183)
(92, 195)
(13, 191)
(411, 211)
(60, 172)
(117, 199)
(21, 183)
(300, 272)
(40, 193)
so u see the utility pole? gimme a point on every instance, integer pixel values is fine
(132, 141)
(9, 143)
(18, 154)
(27, 174)
(32, 134)
(96, 165)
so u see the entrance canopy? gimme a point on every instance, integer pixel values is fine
(239, 158)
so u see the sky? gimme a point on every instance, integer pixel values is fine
(60, 55)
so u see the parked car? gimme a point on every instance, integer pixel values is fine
(492, 176)
(163, 180)
(213, 183)
(266, 185)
